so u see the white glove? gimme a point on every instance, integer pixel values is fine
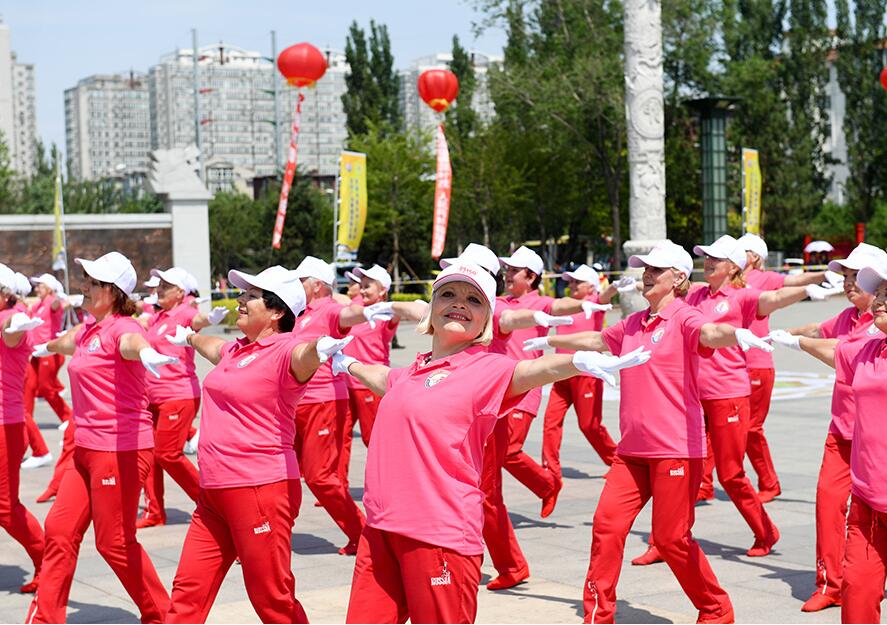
(631, 359)
(590, 307)
(382, 311)
(180, 338)
(818, 293)
(625, 284)
(200, 300)
(549, 321)
(21, 322)
(40, 351)
(781, 337)
(60, 334)
(747, 339)
(76, 301)
(341, 362)
(532, 345)
(151, 359)
(590, 363)
(327, 346)
(151, 300)
(835, 279)
(217, 315)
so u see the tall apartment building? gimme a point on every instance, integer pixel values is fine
(418, 115)
(18, 106)
(107, 126)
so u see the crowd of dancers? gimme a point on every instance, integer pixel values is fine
(280, 404)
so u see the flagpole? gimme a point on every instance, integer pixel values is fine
(336, 209)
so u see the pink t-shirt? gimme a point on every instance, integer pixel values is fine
(321, 318)
(581, 324)
(370, 346)
(512, 343)
(13, 365)
(247, 425)
(762, 281)
(424, 465)
(659, 413)
(108, 392)
(725, 374)
(52, 319)
(853, 330)
(868, 455)
(178, 381)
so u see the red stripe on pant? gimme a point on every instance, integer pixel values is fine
(865, 564)
(255, 524)
(726, 423)
(102, 487)
(66, 459)
(527, 471)
(14, 517)
(172, 423)
(584, 393)
(363, 405)
(398, 578)
(505, 552)
(673, 484)
(832, 493)
(317, 448)
(758, 450)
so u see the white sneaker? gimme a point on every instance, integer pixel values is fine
(191, 445)
(37, 461)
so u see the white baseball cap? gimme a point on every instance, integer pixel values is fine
(313, 267)
(7, 278)
(174, 275)
(583, 273)
(727, 248)
(352, 277)
(666, 255)
(861, 256)
(376, 273)
(191, 285)
(278, 280)
(524, 258)
(113, 268)
(49, 280)
(152, 283)
(755, 244)
(472, 273)
(477, 254)
(23, 285)
(870, 277)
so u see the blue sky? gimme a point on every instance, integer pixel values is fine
(70, 39)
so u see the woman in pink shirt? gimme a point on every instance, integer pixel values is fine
(174, 398)
(113, 446)
(15, 351)
(249, 475)
(420, 553)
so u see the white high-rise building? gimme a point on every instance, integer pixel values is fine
(107, 127)
(18, 106)
(418, 115)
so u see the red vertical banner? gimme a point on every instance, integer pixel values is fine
(288, 174)
(443, 185)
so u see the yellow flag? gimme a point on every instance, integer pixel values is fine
(352, 200)
(59, 251)
(751, 191)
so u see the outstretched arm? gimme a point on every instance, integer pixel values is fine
(374, 377)
(591, 341)
(771, 301)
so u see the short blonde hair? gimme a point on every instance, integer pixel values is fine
(737, 279)
(424, 327)
(683, 288)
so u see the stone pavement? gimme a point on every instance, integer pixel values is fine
(769, 589)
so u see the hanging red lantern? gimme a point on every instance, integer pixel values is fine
(438, 88)
(884, 78)
(302, 64)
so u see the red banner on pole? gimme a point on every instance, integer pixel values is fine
(442, 188)
(288, 174)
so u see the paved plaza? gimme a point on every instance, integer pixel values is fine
(769, 589)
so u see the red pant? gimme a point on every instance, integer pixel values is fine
(66, 459)
(585, 394)
(41, 380)
(398, 578)
(865, 564)
(502, 544)
(172, 423)
(759, 406)
(673, 484)
(317, 447)
(363, 405)
(14, 517)
(726, 423)
(103, 487)
(253, 523)
(832, 493)
(525, 470)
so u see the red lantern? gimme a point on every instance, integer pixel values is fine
(884, 78)
(302, 65)
(438, 88)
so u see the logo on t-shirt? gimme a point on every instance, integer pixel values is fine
(436, 378)
(873, 330)
(161, 329)
(94, 345)
(246, 360)
(657, 335)
(722, 307)
(305, 321)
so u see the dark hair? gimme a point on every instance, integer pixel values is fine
(123, 304)
(273, 302)
(536, 280)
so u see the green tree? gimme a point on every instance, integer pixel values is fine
(8, 184)
(372, 84)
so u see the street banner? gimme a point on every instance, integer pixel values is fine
(751, 192)
(288, 174)
(442, 189)
(352, 201)
(59, 245)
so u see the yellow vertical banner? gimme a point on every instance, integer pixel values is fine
(59, 251)
(751, 191)
(352, 200)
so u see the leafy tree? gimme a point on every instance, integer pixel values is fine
(372, 84)
(8, 184)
